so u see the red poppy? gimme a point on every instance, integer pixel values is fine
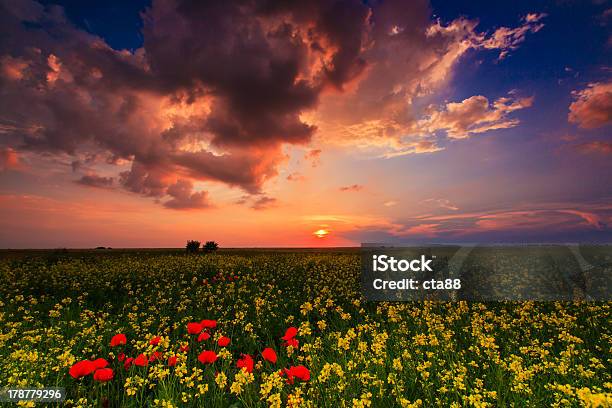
(141, 360)
(128, 363)
(103, 374)
(121, 357)
(194, 328)
(184, 348)
(155, 341)
(203, 336)
(245, 362)
(172, 361)
(293, 343)
(286, 372)
(100, 363)
(208, 324)
(118, 339)
(207, 357)
(155, 356)
(300, 372)
(223, 341)
(269, 355)
(82, 368)
(290, 333)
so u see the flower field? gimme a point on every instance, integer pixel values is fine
(283, 329)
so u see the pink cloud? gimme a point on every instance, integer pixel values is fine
(592, 107)
(183, 197)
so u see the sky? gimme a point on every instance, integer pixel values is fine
(265, 123)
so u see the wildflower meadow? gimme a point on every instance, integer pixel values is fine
(276, 329)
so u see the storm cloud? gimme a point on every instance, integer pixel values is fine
(218, 88)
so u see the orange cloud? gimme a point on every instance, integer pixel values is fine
(473, 115)
(13, 68)
(592, 107)
(414, 58)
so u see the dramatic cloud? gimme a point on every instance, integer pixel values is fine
(94, 180)
(218, 88)
(592, 107)
(253, 68)
(410, 59)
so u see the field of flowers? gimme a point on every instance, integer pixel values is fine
(283, 329)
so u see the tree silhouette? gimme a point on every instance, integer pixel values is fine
(192, 246)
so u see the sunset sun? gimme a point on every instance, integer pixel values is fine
(321, 233)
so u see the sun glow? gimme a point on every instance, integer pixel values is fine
(321, 233)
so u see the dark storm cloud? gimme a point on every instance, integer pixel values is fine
(255, 58)
(244, 70)
(219, 86)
